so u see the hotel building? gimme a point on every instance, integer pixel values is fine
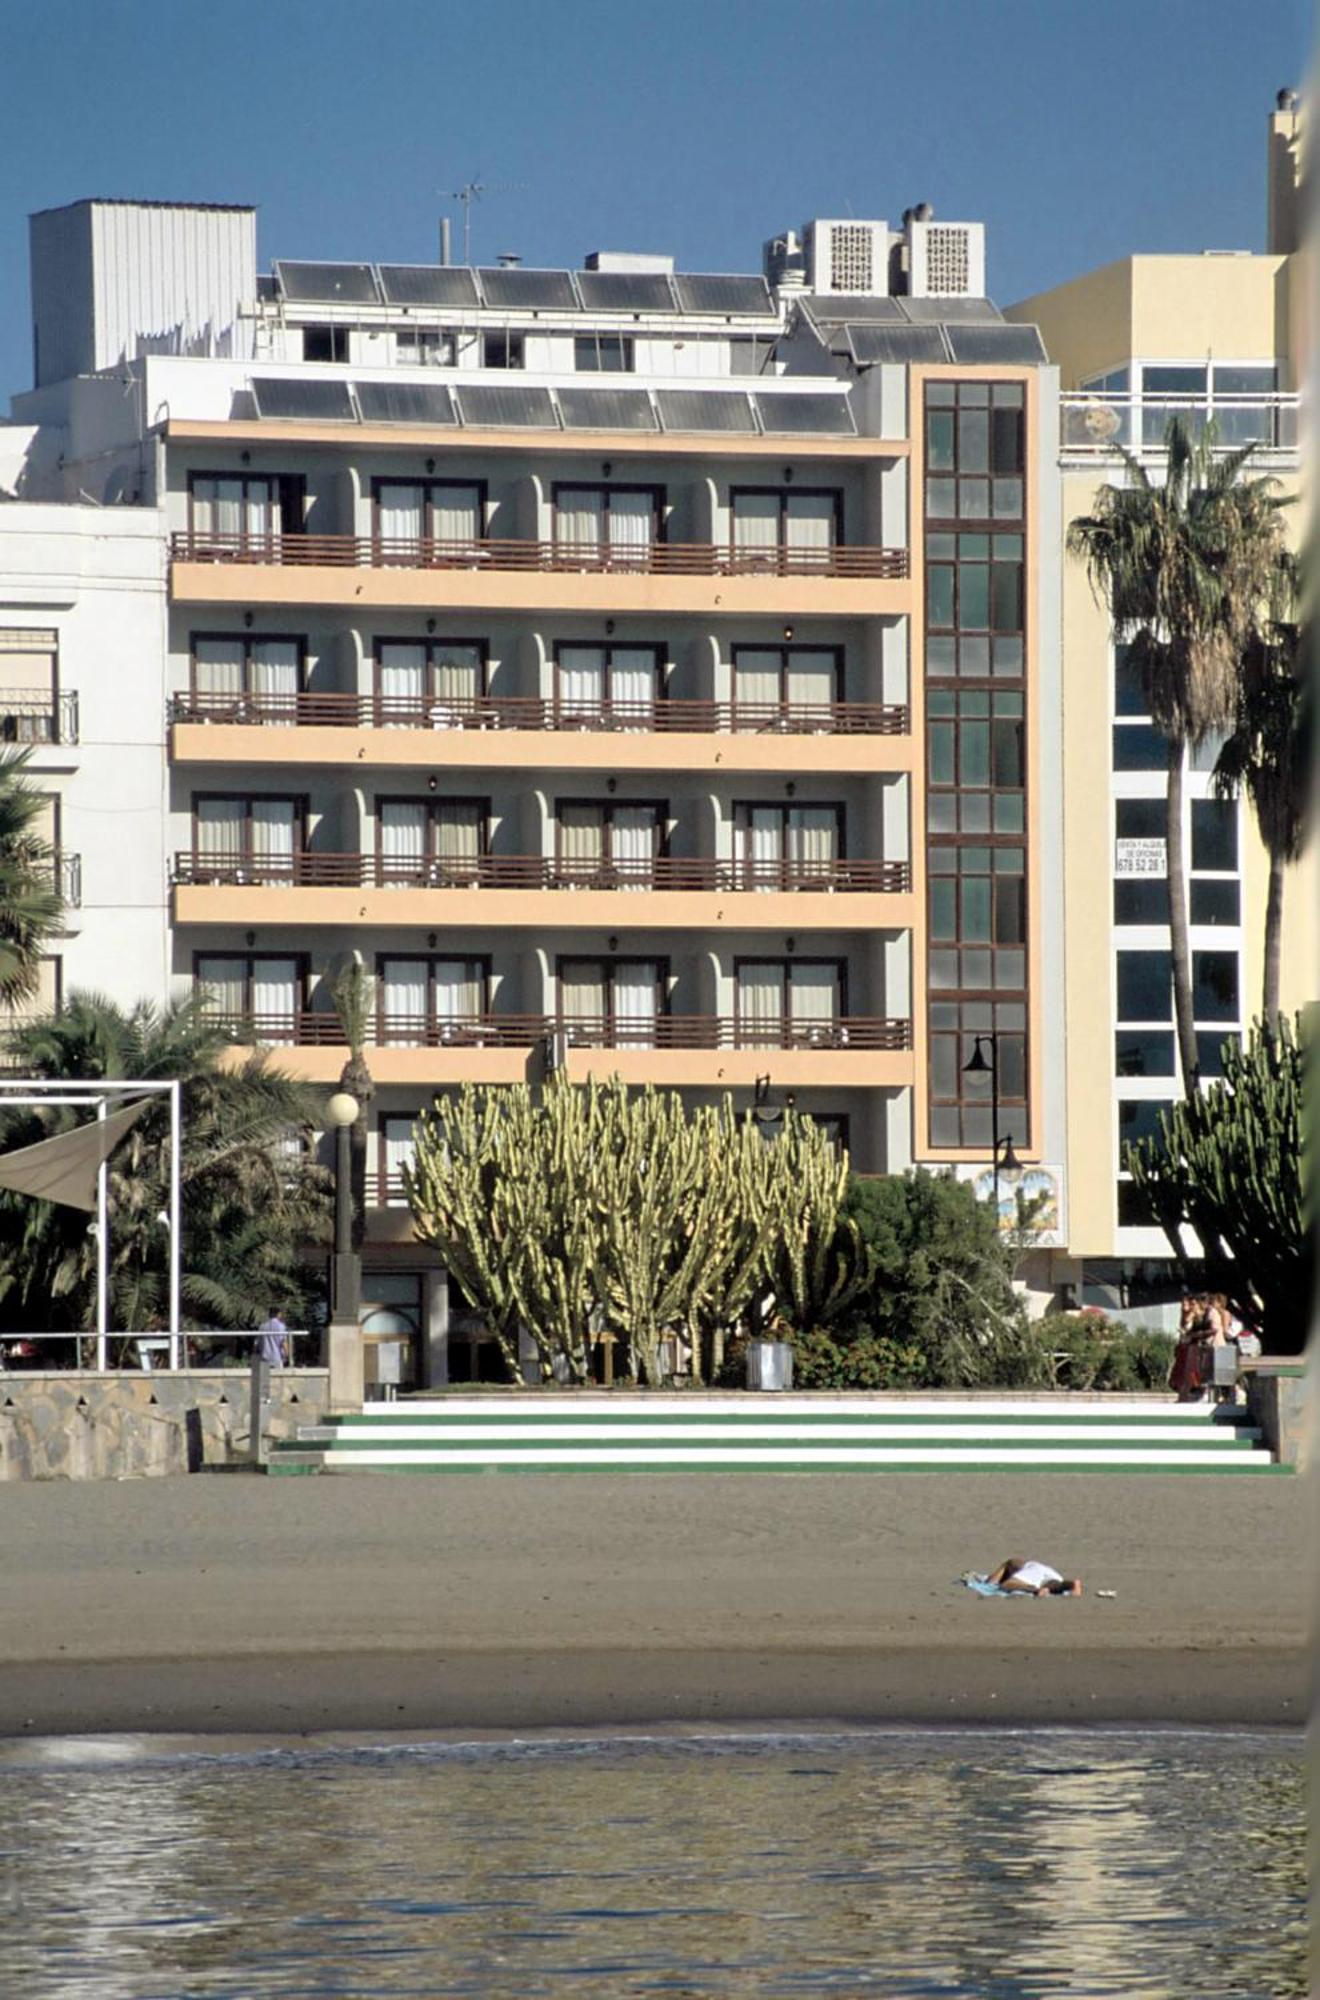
(657, 672)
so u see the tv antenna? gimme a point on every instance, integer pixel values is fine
(474, 191)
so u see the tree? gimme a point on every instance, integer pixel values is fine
(31, 911)
(1229, 1164)
(1267, 756)
(1183, 568)
(251, 1198)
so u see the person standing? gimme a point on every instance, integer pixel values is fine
(272, 1341)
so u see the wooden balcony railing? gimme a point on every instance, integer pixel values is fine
(306, 1029)
(505, 553)
(662, 717)
(533, 871)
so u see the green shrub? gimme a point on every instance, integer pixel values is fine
(855, 1360)
(1100, 1353)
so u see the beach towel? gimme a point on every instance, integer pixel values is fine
(983, 1587)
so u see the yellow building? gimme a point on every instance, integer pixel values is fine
(1221, 336)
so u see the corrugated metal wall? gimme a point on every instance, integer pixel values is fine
(60, 250)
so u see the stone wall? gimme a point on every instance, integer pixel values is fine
(1279, 1400)
(71, 1424)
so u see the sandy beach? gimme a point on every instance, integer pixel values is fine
(241, 1604)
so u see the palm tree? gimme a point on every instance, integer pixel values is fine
(31, 912)
(251, 1198)
(354, 997)
(1183, 568)
(1268, 754)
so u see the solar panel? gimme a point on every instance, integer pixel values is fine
(515, 406)
(871, 344)
(806, 412)
(950, 309)
(511, 289)
(326, 402)
(830, 308)
(404, 403)
(722, 293)
(606, 410)
(699, 410)
(625, 291)
(427, 285)
(996, 343)
(328, 284)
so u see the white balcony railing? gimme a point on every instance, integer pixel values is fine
(1095, 424)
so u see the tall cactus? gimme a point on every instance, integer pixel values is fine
(1230, 1165)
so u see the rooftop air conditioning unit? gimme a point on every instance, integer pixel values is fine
(849, 257)
(946, 260)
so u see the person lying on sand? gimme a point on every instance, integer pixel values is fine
(1036, 1577)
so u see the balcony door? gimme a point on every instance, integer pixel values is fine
(611, 686)
(613, 527)
(784, 686)
(421, 1001)
(787, 846)
(785, 528)
(397, 1149)
(602, 844)
(789, 1003)
(431, 842)
(240, 677)
(445, 515)
(611, 1002)
(246, 508)
(246, 838)
(255, 994)
(435, 683)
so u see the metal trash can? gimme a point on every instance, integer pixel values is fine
(770, 1364)
(1224, 1366)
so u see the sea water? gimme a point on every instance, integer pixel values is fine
(991, 1864)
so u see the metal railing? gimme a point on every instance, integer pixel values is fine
(22, 1352)
(1096, 423)
(661, 717)
(38, 715)
(534, 871)
(307, 1029)
(556, 557)
(67, 873)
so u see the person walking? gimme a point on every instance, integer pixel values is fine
(272, 1341)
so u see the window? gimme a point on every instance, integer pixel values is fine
(325, 343)
(787, 846)
(257, 994)
(238, 677)
(975, 451)
(1134, 1207)
(47, 1000)
(603, 353)
(785, 528)
(789, 1002)
(1215, 985)
(248, 507)
(976, 758)
(424, 347)
(974, 592)
(1215, 903)
(502, 350)
(611, 1002)
(247, 838)
(428, 1002)
(1139, 1118)
(432, 842)
(606, 844)
(960, 1107)
(434, 683)
(785, 686)
(450, 515)
(616, 525)
(1214, 836)
(396, 1148)
(1145, 986)
(978, 917)
(610, 686)
(1143, 1052)
(29, 680)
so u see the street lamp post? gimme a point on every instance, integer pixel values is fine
(344, 1341)
(978, 1064)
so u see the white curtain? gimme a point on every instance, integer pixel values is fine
(757, 686)
(274, 673)
(633, 843)
(756, 526)
(581, 991)
(813, 840)
(814, 998)
(761, 1001)
(402, 683)
(456, 513)
(457, 985)
(581, 680)
(458, 839)
(581, 841)
(761, 844)
(403, 1000)
(219, 832)
(635, 998)
(457, 684)
(399, 1146)
(273, 826)
(580, 517)
(633, 684)
(811, 684)
(218, 669)
(809, 524)
(225, 981)
(275, 994)
(401, 511)
(403, 825)
(632, 519)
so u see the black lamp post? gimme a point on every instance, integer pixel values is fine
(979, 1064)
(345, 1264)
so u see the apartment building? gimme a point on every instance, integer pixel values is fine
(647, 672)
(1216, 336)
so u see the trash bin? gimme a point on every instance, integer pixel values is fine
(770, 1364)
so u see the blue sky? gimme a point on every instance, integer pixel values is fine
(1077, 132)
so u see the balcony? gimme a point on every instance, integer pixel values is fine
(1097, 425)
(518, 712)
(66, 875)
(679, 873)
(377, 571)
(702, 1050)
(38, 715)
